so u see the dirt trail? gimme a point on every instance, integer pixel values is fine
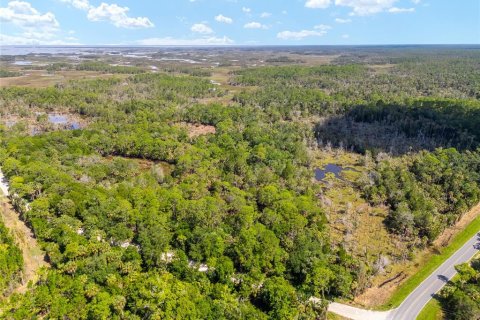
(33, 256)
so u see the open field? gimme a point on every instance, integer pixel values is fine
(42, 79)
(354, 224)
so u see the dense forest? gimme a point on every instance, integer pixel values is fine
(228, 222)
(426, 192)
(141, 219)
(435, 188)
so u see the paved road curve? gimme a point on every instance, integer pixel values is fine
(416, 301)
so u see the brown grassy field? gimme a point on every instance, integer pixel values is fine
(42, 79)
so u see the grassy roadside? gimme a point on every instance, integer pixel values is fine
(433, 263)
(432, 311)
(333, 316)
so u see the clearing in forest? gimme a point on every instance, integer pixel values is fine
(33, 256)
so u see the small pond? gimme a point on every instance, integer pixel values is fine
(320, 174)
(57, 118)
(61, 119)
(22, 63)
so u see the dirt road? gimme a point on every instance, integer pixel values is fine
(33, 256)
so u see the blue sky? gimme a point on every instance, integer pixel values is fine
(239, 22)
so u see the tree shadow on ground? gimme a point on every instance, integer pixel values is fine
(399, 129)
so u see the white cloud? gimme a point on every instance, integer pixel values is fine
(400, 10)
(23, 15)
(169, 41)
(298, 35)
(33, 27)
(255, 25)
(246, 10)
(111, 12)
(322, 27)
(366, 7)
(265, 15)
(79, 4)
(416, 1)
(318, 4)
(359, 7)
(201, 28)
(223, 19)
(117, 16)
(319, 30)
(345, 36)
(339, 20)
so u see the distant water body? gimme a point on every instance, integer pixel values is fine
(66, 50)
(75, 50)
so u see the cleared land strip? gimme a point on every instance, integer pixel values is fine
(33, 256)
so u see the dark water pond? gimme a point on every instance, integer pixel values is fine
(320, 174)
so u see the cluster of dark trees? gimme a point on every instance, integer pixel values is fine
(196, 72)
(108, 68)
(58, 66)
(417, 124)
(6, 73)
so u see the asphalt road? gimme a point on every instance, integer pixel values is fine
(416, 301)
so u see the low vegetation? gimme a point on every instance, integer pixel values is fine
(7, 74)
